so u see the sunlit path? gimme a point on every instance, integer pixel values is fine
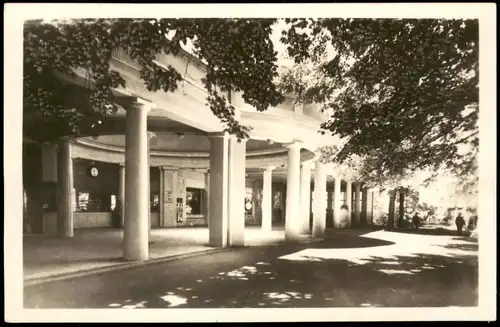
(409, 245)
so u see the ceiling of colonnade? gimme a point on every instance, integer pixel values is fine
(178, 141)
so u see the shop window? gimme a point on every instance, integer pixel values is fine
(194, 201)
(88, 202)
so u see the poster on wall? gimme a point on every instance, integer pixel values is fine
(169, 197)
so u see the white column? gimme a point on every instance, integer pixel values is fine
(151, 135)
(369, 207)
(135, 236)
(236, 191)
(267, 195)
(292, 215)
(207, 197)
(336, 203)
(219, 152)
(161, 199)
(357, 203)
(329, 207)
(64, 189)
(349, 202)
(364, 207)
(305, 196)
(121, 194)
(319, 210)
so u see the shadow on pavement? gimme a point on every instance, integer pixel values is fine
(413, 280)
(464, 246)
(348, 242)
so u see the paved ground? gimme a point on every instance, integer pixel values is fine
(89, 249)
(348, 269)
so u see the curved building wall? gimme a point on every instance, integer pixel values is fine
(182, 174)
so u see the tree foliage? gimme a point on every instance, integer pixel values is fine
(403, 92)
(238, 53)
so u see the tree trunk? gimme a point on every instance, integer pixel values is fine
(392, 209)
(401, 209)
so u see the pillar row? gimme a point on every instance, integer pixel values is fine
(336, 203)
(305, 196)
(292, 213)
(364, 207)
(267, 209)
(64, 189)
(121, 194)
(357, 203)
(319, 210)
(369, 206)
(136, 229)
(349, 202)
(236, 192)
(219, 168)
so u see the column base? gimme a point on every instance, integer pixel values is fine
(292, 238)
(133, 259)
(318, 234)
(266, 228)
(217, 243)
(136, 256)
(292, 241)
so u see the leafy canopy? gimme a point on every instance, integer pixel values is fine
(238, 53)
(403, 92)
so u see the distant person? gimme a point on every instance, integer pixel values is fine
(415, 221)
(471, 223)
(459, 222)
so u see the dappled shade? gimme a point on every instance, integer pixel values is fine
(405, 271)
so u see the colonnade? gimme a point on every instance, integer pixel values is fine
(226, 196)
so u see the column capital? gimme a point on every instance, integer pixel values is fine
(143, 104)
(121, 164)
(293, 145)
(235, 138)
(321, 165)
(221, 134)
(307, 163)
(269, 168)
